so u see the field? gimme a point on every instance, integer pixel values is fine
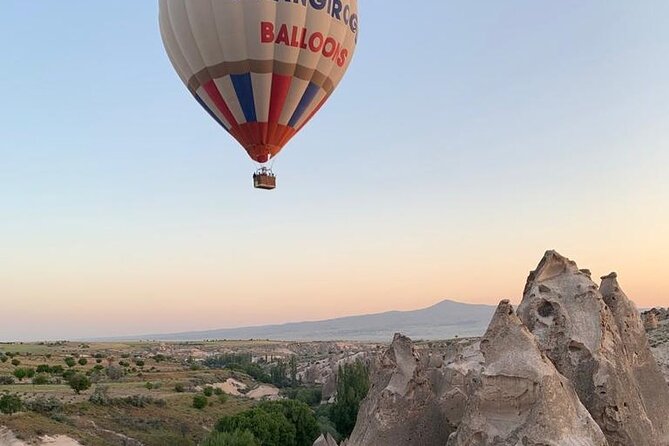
(143, 392)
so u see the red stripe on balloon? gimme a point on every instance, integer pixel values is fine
(215, 95)
(280, 88)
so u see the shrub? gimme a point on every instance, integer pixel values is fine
(41, 379)
(208, 391)
(83, 361)
(139, 401)
(149, 385)
(10, 404)
(114, 373)
(236, 438)
(16, 362)
(79, 383)
(30, 372)
(57, 370)
(3, 358)
(100, 396)
(6, 380)
(179, 388)
(200, 401)
(43, 368)
(20, 374)
(139, 362)
(218, 391)
(70, 362)
(45, 405)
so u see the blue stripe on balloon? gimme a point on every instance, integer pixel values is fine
(306, 100)
(209, 110)
(244, 89)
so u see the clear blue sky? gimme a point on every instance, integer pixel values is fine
(466, 139)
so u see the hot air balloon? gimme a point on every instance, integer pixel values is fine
(261, 68)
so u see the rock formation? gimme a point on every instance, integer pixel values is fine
(416, 398)
(325, 440)
(650, 321)
(520, 398)
(603, 351)
(573, 367)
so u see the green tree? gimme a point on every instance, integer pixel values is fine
(309, 395)
(20, 374)
(236, 438)
(70, 362)
(79, 383)
(83, 361)
(279, 374)
(200, 401)
(270, 429)
(352, 387)
(299, 415)
(279, 423)
(10, 404)
(293, 370)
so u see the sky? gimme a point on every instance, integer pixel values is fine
(466, 139)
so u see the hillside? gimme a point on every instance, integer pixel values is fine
(444, 320)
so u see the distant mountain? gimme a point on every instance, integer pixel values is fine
(444, 320)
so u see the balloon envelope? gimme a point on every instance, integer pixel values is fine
(261, 68)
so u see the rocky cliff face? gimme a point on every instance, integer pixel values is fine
(416, 397)
(573, 367)
(599, 344)
(520, 398)
(657, 328)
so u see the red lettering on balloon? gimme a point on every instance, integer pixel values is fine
(312, 45)
(267, 32)
(298, 37)
(283, 36)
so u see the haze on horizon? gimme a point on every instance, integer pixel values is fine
(447, 162)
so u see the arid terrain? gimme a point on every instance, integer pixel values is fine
(148, 388)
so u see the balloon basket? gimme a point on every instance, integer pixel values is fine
(264, 178)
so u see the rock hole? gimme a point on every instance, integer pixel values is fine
(546, 309)
(575, 347)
